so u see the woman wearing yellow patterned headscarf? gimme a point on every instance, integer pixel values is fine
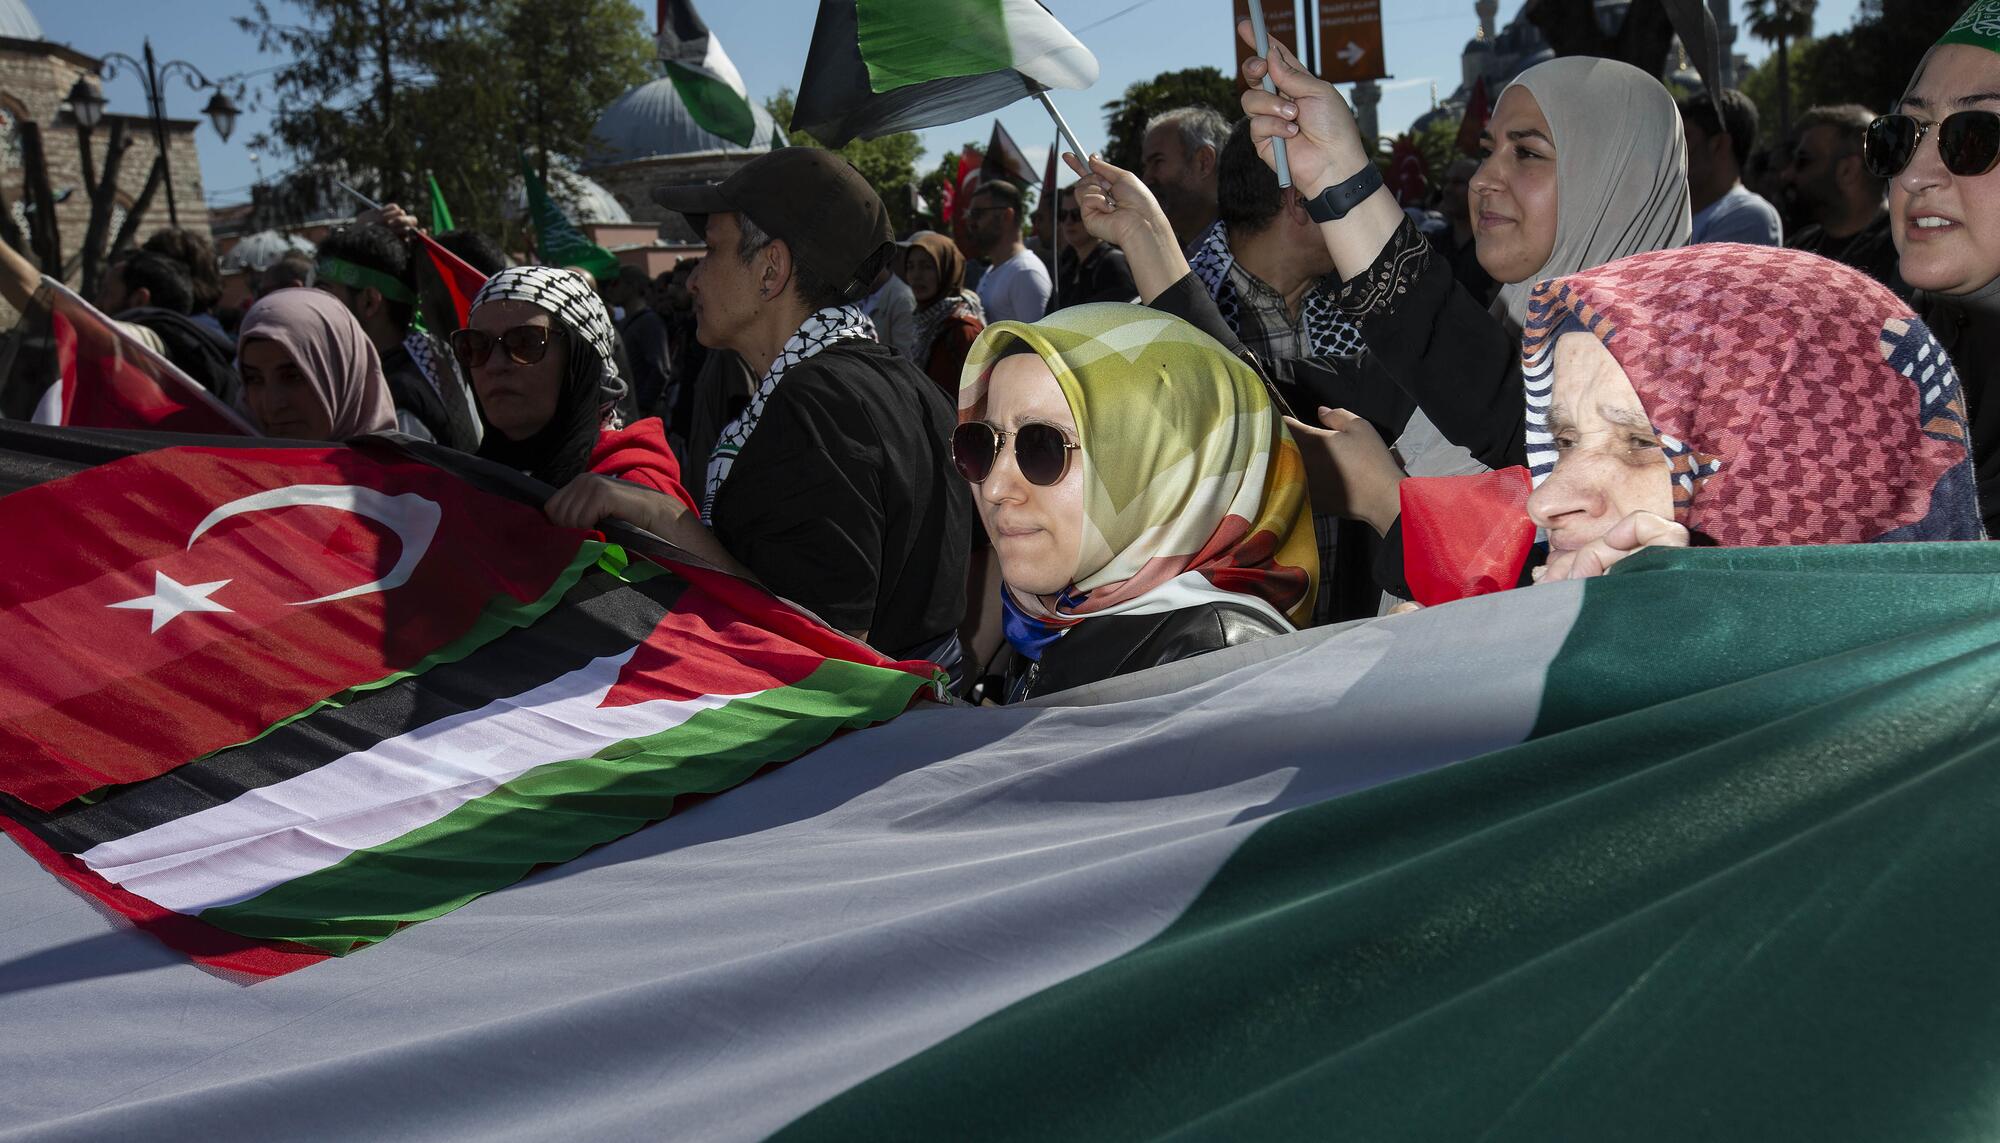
(1133, 473)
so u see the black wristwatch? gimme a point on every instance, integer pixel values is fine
(1333, 203)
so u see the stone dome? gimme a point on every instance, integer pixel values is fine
(650, 121)
(18, 22)
(584, 200)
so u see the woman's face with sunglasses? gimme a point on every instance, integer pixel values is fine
(1946, 223)
(1030, 491)
(520, 379)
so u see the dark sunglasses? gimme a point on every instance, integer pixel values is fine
(1040, 451)
(1968, 143)
(1069, 216)
(525, 344)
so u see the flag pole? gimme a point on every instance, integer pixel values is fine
(370, 203)
(1283, 167)
(1074, 146)
(1055, 234)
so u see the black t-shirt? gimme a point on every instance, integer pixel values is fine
(1871, 250)
(845, 501)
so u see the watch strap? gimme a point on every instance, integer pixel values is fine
(1333, 203)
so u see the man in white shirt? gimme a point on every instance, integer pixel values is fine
(1717, 147)
(893, 309)
(1016, 288)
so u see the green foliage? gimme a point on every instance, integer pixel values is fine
(381, 92)
(1870, 63)
(888, 163)
(1125, 118)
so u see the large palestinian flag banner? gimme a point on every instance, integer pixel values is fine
(275, 704)
(1697, 850)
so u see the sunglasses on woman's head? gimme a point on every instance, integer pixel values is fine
(1040, 451)
(525, 344)
(1968, 143)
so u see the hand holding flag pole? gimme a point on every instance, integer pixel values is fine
(1264, 49)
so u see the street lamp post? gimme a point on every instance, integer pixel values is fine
(221, 110)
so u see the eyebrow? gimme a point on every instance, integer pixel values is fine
(1530, 133)
(1625, 418)
(1978, 97)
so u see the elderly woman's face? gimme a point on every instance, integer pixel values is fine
(920, 272)
(1514, 189)
(1608, 458)
(517, 399)
(280, 398)
(1946, 226)
(1037, 531)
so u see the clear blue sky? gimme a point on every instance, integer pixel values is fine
(1133, 40)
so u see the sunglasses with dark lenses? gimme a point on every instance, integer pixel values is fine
(1040, 451)
(525, 344)
(1968, 143)
(1069, 216)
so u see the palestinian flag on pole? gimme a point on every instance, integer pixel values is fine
(1700, 849)
(292, 760)
(68, 364)
(703, 75)
(558, 242)
(461, 282)
(882, 66)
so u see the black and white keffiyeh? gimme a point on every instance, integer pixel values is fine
(591, 386)
(1330, 333)
(820, 330)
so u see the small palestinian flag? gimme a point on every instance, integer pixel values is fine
(66, 363)
(882, 66)
(703, 75)
(383, 804)
(1004, 159)
(461, 282)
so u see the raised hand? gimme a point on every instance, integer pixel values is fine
(1323, 143)
(1117, 208)
(1636, 531)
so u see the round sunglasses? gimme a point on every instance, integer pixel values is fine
(1968, 143)
(1040, 451)
(525, 344)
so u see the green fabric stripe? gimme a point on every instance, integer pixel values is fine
(717, 107)
(915, 41)
(557, 811)
(1753, 912)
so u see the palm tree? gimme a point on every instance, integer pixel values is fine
(1779, 22)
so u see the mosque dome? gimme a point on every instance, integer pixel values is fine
(650, 121)
(584, 200)
(18, 22)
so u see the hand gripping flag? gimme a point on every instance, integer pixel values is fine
(554, 724)
(881, 66)
(702, 74)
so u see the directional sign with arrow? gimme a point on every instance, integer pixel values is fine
(1350, 35)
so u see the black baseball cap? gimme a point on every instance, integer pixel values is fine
(833, 221)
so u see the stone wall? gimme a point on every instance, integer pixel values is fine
(35, 80)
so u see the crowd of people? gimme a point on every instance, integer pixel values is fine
(1226, 406)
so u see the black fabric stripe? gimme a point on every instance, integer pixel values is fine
(601, 616)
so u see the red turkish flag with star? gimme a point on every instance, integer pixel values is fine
(172, 603)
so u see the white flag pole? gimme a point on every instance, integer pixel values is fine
(1055, 230)
(1264, 49)
(1074, 146)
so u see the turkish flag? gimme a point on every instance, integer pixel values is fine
(1465, 535)
(172, 603)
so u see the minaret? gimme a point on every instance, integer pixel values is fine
(1726, 34)
(1488, 9)
(1367, 95)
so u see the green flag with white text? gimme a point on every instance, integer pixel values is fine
(558, 241)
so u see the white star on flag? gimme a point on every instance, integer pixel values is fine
(171, 599)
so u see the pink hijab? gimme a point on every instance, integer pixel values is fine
(329, 347)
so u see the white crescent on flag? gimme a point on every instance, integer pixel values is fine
(413, 518)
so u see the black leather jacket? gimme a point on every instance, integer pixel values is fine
(1113, 645)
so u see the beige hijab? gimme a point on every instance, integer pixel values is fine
(340, 364)
(1621, 168)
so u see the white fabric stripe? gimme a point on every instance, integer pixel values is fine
(1044, 50)
(234, 851)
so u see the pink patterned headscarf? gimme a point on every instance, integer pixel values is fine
(1798, 401)
(329, 347)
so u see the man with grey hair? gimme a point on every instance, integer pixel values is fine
(1180, 156)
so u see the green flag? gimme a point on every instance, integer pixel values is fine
(557, 239)
(440, 213)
